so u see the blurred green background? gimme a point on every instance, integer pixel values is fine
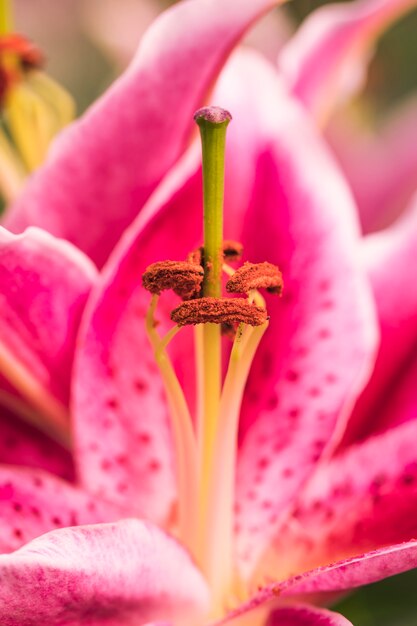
(89, 42)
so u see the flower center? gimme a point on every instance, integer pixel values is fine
(206, 446)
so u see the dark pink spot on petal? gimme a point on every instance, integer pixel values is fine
(6, 491)
(154, 465)
(292, 376)
(140, 385)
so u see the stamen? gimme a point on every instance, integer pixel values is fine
(256, 276)
(228, 330)
(232, 251)
(253, 296)
(206, 447)
(183, 278)
(218, 311)
(185, 444)
(221, 496)
(28, 53)
(196, 256)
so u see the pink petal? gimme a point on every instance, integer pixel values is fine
(326, 60)
(389, 398)
(121, 419)
(321, 339)
(303, 615)
(112, 574)
(33, 502)
(22, 444)
(342, 576)
(44, 285)
(355, 572)
(380, 164)
(360, 500)
(120, 150)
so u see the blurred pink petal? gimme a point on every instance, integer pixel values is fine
(44, 286)
(103, 574)
(389, 257)
(326, 60)
(379, 164)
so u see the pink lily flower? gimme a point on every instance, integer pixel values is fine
(311, 515)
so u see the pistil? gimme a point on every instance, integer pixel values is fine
(213, 122)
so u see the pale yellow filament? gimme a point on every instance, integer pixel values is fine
(217, 545)
(185, 443)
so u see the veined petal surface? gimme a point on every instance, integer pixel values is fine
(33, 502)
(389, 397)
(338, 577)
(121, 420)
(362, 499)
(101, 575)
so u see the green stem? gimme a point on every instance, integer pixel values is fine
(213, 123)
(6, 17)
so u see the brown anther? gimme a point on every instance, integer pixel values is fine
(256, 276)
(196, 256)
(27, 52)
(218, 311)
(183, 278)
(228, 330)
(232, 251)
(28, 57)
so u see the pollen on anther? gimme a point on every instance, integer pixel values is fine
(182, 277)
(218, 311)
(256, 276)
